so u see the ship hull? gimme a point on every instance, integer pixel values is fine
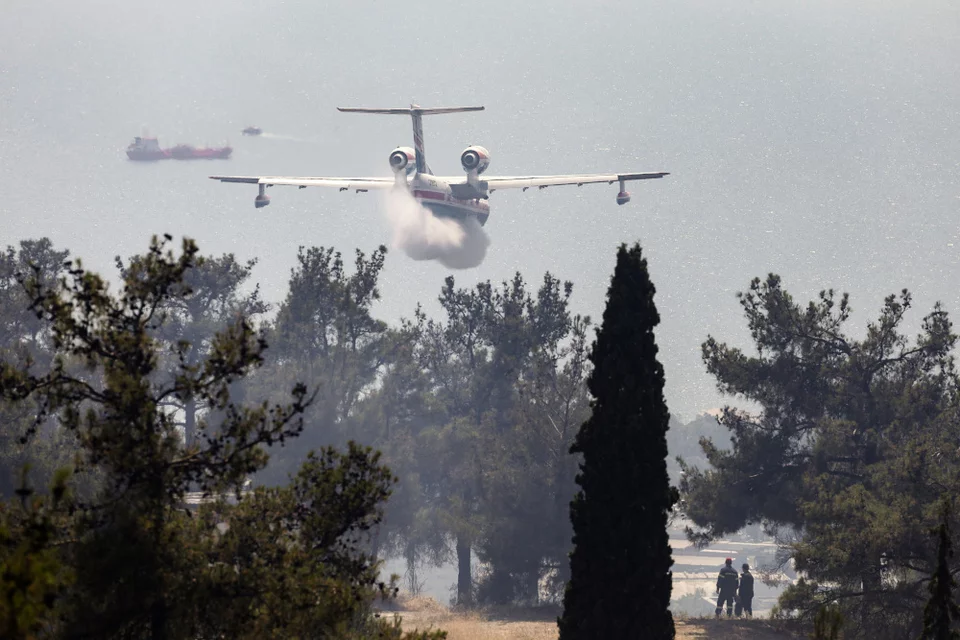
(167, 154)
(147, 150)
(202, 154)
(147, 156)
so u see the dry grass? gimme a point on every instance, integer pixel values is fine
(491, 624)
(540, 624)
(731, 630)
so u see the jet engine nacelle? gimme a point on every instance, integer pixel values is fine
(475, 159)
(401, 158)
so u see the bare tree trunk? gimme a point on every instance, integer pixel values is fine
(190, 421)
(413, 580)
(563, 535)
(158, 621)
(464, 578)
(158, 609)
(375, 542)
(531, 588)
(871, 581)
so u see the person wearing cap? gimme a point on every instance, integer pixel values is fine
(745, 593)
(727, 583)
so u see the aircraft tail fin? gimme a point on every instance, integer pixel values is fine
(416, 114)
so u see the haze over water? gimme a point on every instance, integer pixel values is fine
(814, 139)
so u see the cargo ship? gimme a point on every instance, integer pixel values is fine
(147, 149)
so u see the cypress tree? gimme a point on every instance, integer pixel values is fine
(620, 566)
(941, 611)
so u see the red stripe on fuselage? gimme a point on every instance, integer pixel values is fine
(431, 195)
(473, 206)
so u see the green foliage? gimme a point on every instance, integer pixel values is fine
(852, 446)
(505, 370)
(475, 413)
(121, 424)
(25, 340)
(828, 623)
(32, 576)
(325, 333)
(620, 566)
(113, 407)
(164, 390)
(206, 301)
(941, 614)
(23, 336)
(394, 417)
(289, 564)
(128, 560)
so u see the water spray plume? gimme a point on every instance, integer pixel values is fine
(456, 244)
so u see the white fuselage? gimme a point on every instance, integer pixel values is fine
(436, 196)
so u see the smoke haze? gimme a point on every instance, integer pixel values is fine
(793, 132)
(423, 236)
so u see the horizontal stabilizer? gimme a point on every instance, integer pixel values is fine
(409, 111)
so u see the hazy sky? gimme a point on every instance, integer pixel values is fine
(814, 139)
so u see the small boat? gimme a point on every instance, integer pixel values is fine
(252, 131)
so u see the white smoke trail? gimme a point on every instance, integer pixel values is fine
(423, 236)
(281, 136)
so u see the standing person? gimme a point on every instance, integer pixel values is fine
(727, 583)
(745, 595)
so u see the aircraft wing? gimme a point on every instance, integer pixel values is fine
(525, 182)
(344, 184)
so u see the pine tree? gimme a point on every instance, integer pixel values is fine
(620, 566)
(837, 429)
(941, 611)
(828, 623)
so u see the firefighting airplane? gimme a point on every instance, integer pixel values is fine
(456, 197)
